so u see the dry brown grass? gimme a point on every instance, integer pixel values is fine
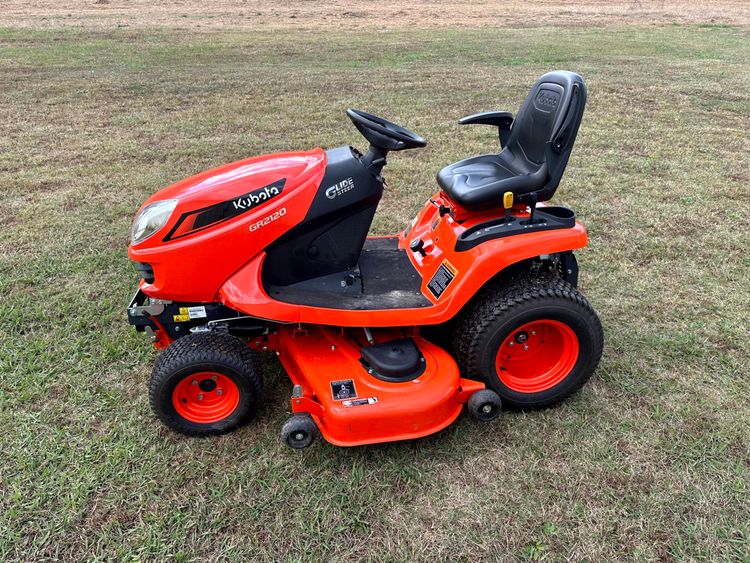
(333, 15)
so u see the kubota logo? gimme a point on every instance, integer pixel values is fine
(547, 99)
(252, 199)
(341, 188)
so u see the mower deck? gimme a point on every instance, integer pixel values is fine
(384, 279)
(352, 407)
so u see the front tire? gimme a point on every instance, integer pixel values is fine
(533, 339)
(205, 384)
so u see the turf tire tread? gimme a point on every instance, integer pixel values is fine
(206, 348)
(498, 300)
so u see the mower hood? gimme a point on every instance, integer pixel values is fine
(213, 227)
(237, 178)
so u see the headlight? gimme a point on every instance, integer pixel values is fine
(151, 218)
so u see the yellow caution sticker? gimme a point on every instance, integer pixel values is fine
(184, 311)
(181, 318)
(451, 267)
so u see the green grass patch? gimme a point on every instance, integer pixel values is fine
(650, 461)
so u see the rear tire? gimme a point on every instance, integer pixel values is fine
(205, 384)
(533, 339)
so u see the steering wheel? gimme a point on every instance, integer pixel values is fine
(383, 134)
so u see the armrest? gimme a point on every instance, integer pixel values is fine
(497, 118)
(500, 119)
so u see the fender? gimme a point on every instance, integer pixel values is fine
(471, 270)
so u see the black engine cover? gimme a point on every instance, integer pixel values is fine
(331, 236)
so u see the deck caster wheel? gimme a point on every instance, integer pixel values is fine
(299, 432)
(485, 405)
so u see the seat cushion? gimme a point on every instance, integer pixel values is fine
(481, 181)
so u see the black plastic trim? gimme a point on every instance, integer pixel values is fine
(212, 215)
(545, 219)
(569, 267)
(379, 362)
(146, 271)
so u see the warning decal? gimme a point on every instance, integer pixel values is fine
(343, 389)
(195, 312)
(190, 313)
(443, 277)
(360, 402)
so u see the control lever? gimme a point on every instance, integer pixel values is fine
(417, 245)
(532, 207)
(508, 204)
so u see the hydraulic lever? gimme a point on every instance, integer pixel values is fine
(508, 204)
(532, 207)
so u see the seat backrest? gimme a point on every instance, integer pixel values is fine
(547, 124)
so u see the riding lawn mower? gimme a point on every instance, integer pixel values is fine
(474, 303)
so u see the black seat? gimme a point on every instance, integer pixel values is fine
(535, 147)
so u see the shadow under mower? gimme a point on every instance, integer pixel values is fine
(384, 338)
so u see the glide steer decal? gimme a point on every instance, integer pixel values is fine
(199, 219)
(341, 188)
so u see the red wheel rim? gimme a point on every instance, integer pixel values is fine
(537, 356)
(205, 397)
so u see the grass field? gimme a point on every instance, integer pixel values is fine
(650, 461)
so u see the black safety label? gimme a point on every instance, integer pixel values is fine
(343, 389)
(443, 277)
